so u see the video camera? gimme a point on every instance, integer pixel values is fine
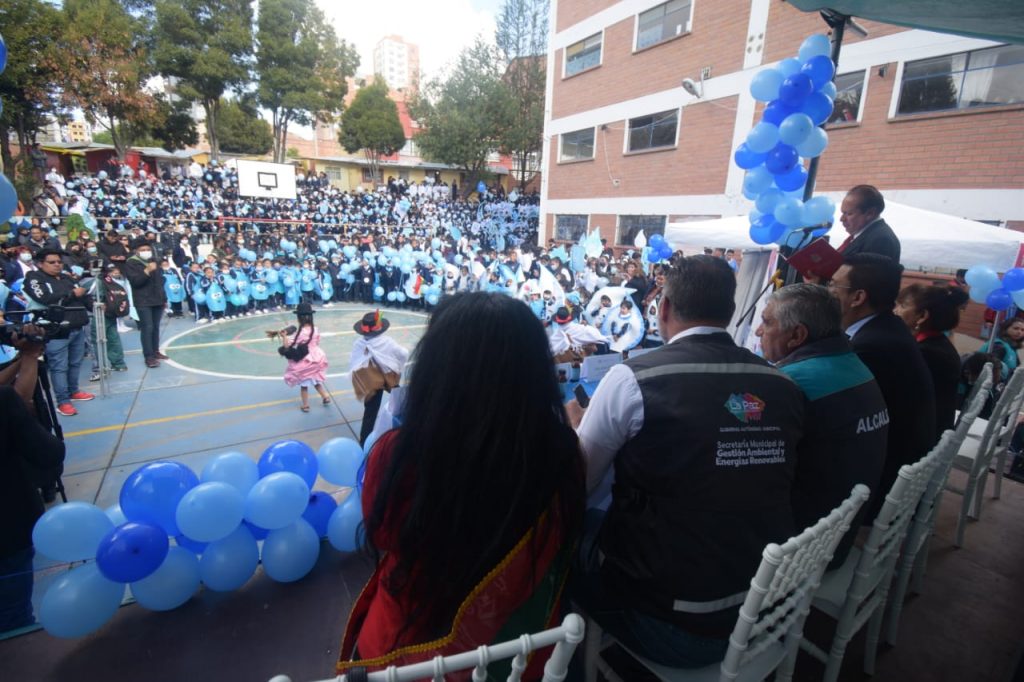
(55, 322)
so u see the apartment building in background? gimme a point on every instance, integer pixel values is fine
(934, 120)
(398, 62)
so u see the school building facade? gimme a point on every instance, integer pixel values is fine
(933, 120)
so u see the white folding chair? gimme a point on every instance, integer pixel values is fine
(565, 638)
(770, 623)
(914, 558)
(1014, 395)
(855, 593)
(976, 452)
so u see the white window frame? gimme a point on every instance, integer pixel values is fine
(863, 95)
(593, 147)
(618, 225)
(675, 143)
(554, 225)
(565, 56)
(687, 28)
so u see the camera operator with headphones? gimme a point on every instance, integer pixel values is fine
(64, 308)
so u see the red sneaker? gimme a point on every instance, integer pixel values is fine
(82, 396)
(67, 409)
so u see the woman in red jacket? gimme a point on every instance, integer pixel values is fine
(474, 505)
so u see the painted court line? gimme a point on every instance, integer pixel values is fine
(239, 342)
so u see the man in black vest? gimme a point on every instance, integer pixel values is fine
(861, 215)
(867, 285)
(702, 435)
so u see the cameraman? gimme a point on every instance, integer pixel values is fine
(50, 286)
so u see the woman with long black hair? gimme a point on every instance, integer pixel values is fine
(473, 506)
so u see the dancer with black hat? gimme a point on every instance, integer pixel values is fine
(307, 362)
(375, 367)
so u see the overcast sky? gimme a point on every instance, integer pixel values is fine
(441, 28)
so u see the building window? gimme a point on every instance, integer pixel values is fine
(654, 131)
(662, 23)
(630, 226)
(578, 145)
(849, 89)
(570, 228)
(409, 149)
(333, 173)
(979, 78)
(368, 176)
(583, 55)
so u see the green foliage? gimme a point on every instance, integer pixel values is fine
(301, 66)
(462, 115)
(75, 226)
(207, 45)
(241, 130)
(371, 124)
(293, 152)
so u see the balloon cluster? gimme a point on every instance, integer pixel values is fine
(987, 288)
(659, 249)
(8, 195)
(799, 93)
(173, 530)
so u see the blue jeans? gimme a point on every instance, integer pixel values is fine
(16, 590)
(64, 359)
(644, 635)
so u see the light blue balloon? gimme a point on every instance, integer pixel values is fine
(757, 180)
(435, 243)
(401, 297)
(379, 292)
(290, 553)
(392, 295)
(829, 90)
(210, 511)
(814, 144)
(3, 57)
(763, 137)
(814, 45)
(71, 531)
(795, 128)
(172, 584)
(115, 514)
(432, 299)
(276, 500)
(8, 199)
(983, 280)
(229, 563)
(818, 210)
(789, 66)
(765, 85)
(339, 460)
(343, 527)
(768, 199)
(789, 211)
(79, 602)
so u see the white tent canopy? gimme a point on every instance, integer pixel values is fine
(928, 239)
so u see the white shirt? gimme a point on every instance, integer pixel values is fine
(616, 415)
(852, 330)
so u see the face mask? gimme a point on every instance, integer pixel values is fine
(91, 249)
(145, 255)
(25, 257)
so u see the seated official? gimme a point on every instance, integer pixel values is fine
(702, 435)
(474, 505)
(847, 421)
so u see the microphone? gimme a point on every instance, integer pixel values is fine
(812, 228)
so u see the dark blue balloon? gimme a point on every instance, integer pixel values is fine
(3, 54)
(131, 552)
(820, 69)
(776, 112)
(290, 455)
(746, 159)
(190, 544)
(766, 230)
(781, 159)
(793, 180)
(152, 492)
(795, 90)
(318, 512)
(818, 106)
(257, 532)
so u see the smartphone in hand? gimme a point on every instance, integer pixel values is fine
(581, 396)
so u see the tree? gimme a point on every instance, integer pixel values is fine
(28, 86)
(463, 114)
(104, 65)
(301, 66)
(521, 37)
(206, 46)
(241, 130)
(371, 123)
(174, 127)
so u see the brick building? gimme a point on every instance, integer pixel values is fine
(934, 120)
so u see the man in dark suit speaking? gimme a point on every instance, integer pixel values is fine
(860, 214)
(867, 285)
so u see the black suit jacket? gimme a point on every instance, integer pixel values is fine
(876, 238)
(889, 350)
(944, 364)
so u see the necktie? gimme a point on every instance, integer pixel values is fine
(846, 242)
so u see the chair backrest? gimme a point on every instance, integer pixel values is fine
(978, 387)
(782, 589)
(924, 516)
(565, 638)
(881, 550)
(1000, 424)
(959, 435)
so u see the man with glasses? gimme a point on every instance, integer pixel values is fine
(867, 285)
(860, 214)
(65, 347)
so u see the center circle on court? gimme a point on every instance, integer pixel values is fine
(239, 348)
